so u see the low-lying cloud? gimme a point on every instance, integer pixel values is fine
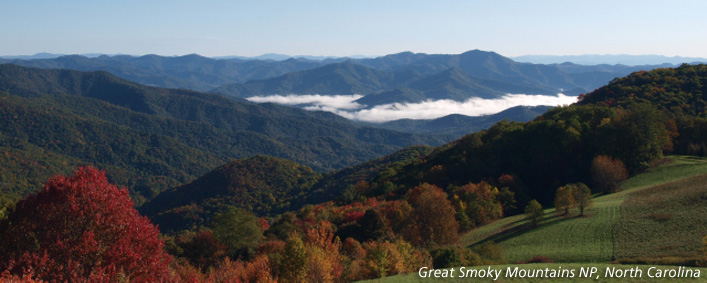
(345, 105)
(342, 102)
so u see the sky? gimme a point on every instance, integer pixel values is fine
(360, 27)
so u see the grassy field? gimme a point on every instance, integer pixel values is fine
(601, 272)
(631, 223)
(673, 226)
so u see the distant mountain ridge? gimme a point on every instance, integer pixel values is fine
(336, 78)
(608, 59)
(408, 78)
(460, 125)
(192, 71)
(201, 73)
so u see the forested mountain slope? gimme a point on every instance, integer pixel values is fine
(97, 118)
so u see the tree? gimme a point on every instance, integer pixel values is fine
(398, 214)
(434, 216)
(82, 228)
(564, 199)
(382, 259)
(534, 212)
(373, 226)
(608, 173)
(506, 197)
(293, 267)
(582, 196)
(479, 202)
(323, 253)
(202, 249)
(239, 230)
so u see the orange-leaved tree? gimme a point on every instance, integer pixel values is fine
(608, 173)
(434, 216)
(564, 199)
(79, 229)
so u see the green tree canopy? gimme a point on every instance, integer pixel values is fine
(239, 230)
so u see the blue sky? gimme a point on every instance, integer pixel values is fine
(361, 27)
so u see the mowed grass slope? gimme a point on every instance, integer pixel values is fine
(667, 220)
(658, 213)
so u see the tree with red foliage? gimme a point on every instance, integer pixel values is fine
(82, 228)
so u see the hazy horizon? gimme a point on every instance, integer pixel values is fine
(369, 28)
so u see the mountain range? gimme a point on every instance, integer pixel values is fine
(189, 72)
(408, 76)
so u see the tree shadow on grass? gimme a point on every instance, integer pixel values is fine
(549, 219)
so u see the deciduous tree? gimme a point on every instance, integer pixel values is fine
(434, 216)
(564, 199)
(239, 230)
(202, 249)
(608, 173)
(534, 212)
(582, 196)
(293, 266)
(82, 228)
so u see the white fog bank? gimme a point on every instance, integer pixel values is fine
(345, 106)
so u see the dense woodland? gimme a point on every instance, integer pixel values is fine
(388, 216)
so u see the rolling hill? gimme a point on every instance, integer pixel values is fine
(264, 185)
